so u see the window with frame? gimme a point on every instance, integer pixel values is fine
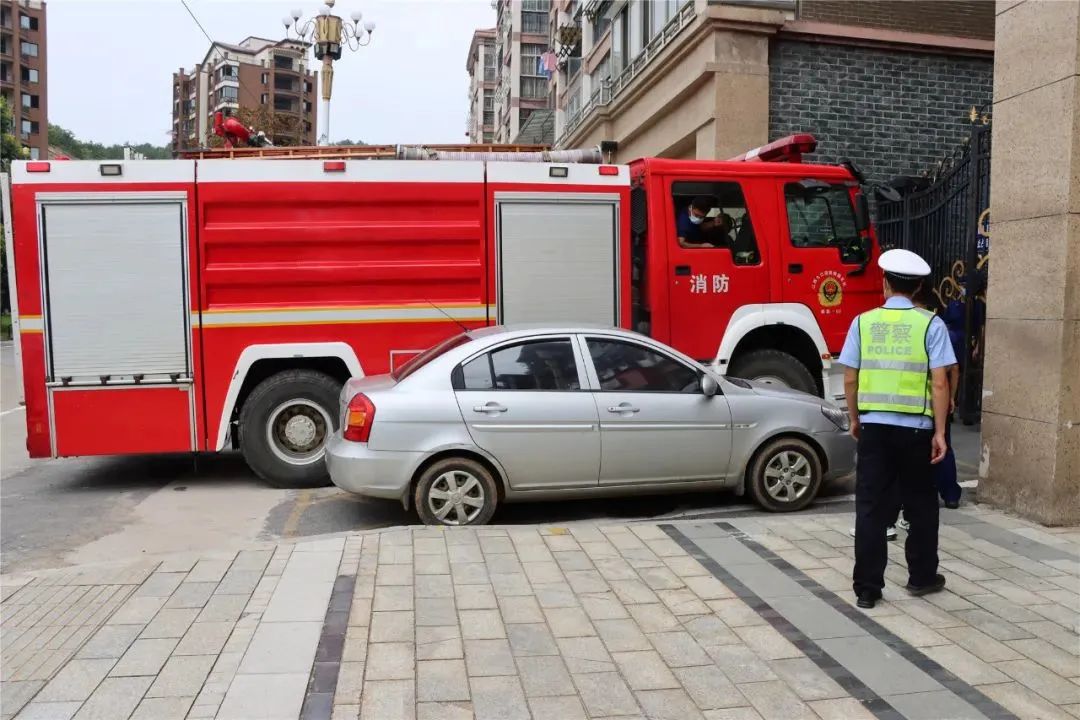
(727, 225)
(542, 365)
(29, 49)
(534, 88)
(530, 59)
(228, 93)
(534, 22)
(602, 21)
(623, 366)
(27, 22)
(823, 217)
(29, 101)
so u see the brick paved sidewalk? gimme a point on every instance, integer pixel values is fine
(739, 618)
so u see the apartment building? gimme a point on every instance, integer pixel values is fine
(268, 83)
(483, 77)
(522, 32)
(887, 84)
(23, 72)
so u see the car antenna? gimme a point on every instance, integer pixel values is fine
(449, 317)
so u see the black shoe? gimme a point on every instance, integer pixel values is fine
(919, 590)
(952, 504)
(867, 599)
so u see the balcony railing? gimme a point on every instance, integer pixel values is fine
(609, 89)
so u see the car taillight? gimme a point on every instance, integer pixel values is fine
(359, 416)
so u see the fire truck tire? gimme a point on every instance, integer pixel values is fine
(284, 426)
(456, 491)
(785, 475)
(774, 367)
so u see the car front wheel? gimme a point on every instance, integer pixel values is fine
(785, 475)
(456, 491)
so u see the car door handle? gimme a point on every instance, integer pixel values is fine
(491, 407)
(623, 408)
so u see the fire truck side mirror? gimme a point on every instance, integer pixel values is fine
(862, 212)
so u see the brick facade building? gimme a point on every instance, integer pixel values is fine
(886, 84)
(855, 75)
(893, 113)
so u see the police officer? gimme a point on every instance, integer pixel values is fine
(898, 399)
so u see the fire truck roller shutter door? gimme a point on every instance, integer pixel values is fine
(558, 260)
(115, 290)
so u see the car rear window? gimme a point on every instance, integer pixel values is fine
(428, 355)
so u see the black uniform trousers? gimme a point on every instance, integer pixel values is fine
(894, 470)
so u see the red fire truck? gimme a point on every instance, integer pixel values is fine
(211, 304)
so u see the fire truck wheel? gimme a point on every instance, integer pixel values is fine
(284, 426)
(774, 367)
(456, 491)
(785, 475)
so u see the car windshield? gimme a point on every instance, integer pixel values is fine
(428, 355)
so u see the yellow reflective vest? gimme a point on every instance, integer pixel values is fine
(894, 368)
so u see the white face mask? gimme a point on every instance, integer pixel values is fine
(695, 219)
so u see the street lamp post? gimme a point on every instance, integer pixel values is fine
(328, 34)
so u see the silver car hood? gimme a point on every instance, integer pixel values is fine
(784, 393)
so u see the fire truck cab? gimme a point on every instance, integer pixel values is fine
(208, 303)
(772, 293)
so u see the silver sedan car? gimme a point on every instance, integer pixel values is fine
(508, 414)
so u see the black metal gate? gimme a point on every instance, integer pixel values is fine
(945, 217)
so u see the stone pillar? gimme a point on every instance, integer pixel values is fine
(1031, 409)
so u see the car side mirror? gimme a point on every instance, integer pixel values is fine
(709, 386)
(862, 213)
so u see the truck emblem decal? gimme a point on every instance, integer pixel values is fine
(829, 286)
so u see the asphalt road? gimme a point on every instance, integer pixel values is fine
(59, 512)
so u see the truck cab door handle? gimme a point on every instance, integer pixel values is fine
(794, 268)
(491, 407)
(682, 269)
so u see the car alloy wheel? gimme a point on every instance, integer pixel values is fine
(785, 475)
(788, 476)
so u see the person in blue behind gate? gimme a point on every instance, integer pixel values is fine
(898, 398)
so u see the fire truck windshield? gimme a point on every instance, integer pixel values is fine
(820, 217)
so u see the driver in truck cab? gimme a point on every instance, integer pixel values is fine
(695, 228)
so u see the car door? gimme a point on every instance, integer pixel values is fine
(524, 404)
(656, 424)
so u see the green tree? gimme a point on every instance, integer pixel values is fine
(65, 141)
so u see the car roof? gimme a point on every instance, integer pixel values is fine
(514, 329)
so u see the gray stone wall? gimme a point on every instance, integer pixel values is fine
(892, 112)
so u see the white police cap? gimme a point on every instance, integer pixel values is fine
(903, 264)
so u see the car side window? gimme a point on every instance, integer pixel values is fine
(476, 374)
(628, 367)
(534, 365)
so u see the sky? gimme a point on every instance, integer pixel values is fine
(110, 64)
